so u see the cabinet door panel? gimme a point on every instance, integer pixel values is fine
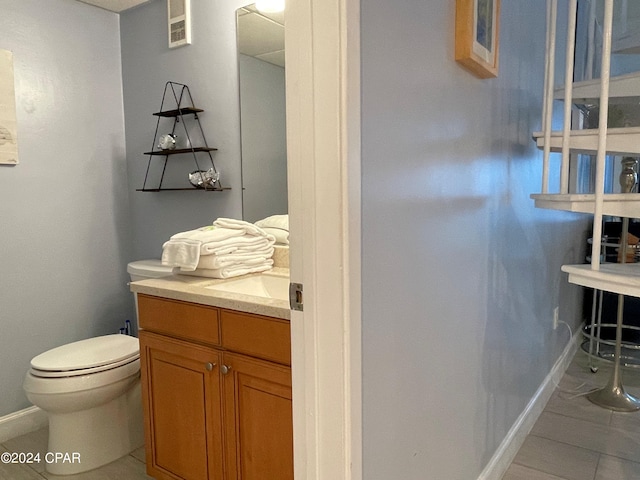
(182, 409)
(259, 425)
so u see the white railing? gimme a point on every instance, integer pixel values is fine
(549, 81)
(568, 95)
(547, 108)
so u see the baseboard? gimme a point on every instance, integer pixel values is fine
(509, 447)
(21, 422)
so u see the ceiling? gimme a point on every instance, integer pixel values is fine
(261, 35)
(115, 5)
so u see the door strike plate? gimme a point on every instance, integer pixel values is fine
(295, 297)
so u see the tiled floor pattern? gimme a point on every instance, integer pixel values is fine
(130, 467)
(572, 440)
(576, 440)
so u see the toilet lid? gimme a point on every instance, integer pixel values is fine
(87, 356)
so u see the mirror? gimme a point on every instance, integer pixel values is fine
(262, 113)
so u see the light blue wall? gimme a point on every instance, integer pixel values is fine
(64, 213)
(460, 272)
(209, 66)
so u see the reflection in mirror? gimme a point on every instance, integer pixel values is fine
(262, 113)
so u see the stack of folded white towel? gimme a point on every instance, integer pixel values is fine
(225, 249)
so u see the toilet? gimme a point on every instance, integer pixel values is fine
(90, 390)
(143, 269)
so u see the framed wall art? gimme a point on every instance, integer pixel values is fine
(8, 122)
(477, 36)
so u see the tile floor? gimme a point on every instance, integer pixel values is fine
(572, 440)
(130, 467)
(576, 440)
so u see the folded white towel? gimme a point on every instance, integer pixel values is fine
(245, 243)
(232, 223)
(250, 258)
(207, 234)
(228, 272)
(275, 221)
(281, 236)
(276, 225)
(177, 253)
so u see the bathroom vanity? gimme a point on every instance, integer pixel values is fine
(216, 381)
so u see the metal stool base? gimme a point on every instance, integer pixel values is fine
(615, 398)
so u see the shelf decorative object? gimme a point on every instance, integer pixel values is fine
(165, 145)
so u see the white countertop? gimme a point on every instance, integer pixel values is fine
(193, 289)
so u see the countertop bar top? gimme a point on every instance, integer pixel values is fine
(193, 289)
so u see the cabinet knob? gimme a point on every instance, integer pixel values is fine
(225, 369)
(209, 366)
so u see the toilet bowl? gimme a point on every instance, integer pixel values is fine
(91, 392)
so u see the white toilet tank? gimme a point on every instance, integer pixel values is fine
(142, 269)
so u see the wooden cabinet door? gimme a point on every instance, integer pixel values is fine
(258, 419)
(182, 408)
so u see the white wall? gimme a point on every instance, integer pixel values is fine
(64, 209)
(209, 66)
(460, 272)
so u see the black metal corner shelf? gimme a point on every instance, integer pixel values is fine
(184, 106)
(181, 150)
(179, 111)
(192, 189)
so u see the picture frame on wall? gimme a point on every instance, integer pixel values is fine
(477, 36)
(8, 119)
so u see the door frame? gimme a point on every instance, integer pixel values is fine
(323, 149)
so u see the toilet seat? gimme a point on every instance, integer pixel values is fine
(88, 356)
(81, 371)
